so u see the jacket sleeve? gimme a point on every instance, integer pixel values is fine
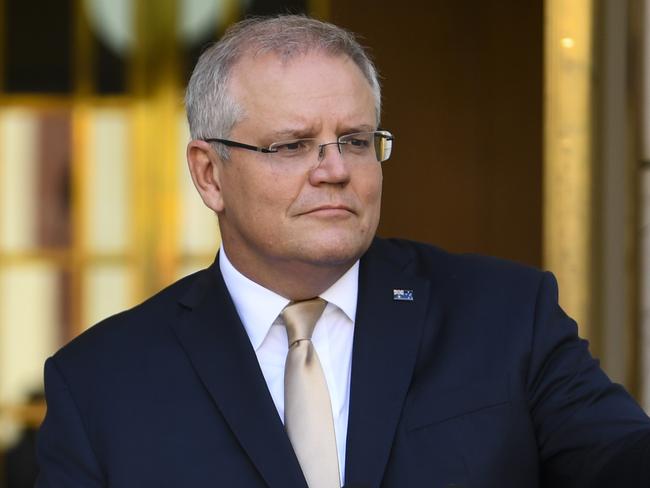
(64, 452)
(588, 429)
(629, 467)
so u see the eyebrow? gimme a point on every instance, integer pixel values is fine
(358, 128)
(308, 132)
(296, 133)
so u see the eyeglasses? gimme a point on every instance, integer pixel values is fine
(357, 147)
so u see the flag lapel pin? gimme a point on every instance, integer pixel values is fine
(402, 295)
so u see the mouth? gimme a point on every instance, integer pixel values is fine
(330, 211)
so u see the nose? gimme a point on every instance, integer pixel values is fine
(331, 167)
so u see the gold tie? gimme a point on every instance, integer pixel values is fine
(307, 408)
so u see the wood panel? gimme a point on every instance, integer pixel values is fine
(463, 94)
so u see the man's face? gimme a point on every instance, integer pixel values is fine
(323, 215)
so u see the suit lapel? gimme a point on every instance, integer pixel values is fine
(386, 341)
(213, 337)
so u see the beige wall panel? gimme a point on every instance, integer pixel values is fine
(29, 315)
(193, 265)
(108, 187)
(18, 179)
(107, 290)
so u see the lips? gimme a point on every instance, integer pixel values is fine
(332, 210)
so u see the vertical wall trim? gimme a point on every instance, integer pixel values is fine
(158, 99)
(644, 58)
(3, 33)
(82, 49)
(80, 46)
(644, 177)
(616, 200)
(568, 177)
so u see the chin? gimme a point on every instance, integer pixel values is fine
(336, 252)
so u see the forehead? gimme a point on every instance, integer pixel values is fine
(312, 89)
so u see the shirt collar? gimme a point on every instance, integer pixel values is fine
(258, 307)
(343, 293)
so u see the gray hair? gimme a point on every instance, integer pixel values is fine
(212, 111)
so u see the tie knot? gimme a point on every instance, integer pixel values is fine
(301, 317)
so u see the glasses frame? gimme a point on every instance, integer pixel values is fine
(270, 149)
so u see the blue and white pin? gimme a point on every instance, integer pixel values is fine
(402, 295)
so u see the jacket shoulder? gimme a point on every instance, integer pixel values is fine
(431, 261)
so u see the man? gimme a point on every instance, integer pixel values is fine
(422, 369)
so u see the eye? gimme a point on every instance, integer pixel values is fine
(358, 142)
(292, 148)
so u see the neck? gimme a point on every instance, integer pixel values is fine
(293, 280)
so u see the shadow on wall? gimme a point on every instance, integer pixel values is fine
(19, 460)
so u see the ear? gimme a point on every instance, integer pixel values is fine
(205, 167)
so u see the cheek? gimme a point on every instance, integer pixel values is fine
(372, 200)
(370, 190)
(250, 187)
(262, 203)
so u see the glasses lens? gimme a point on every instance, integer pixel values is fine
(297, 148)
(359, 146)
(367, 145)
(383, 145)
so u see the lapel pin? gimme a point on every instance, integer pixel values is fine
(402, 295)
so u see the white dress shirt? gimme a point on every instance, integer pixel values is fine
(259, 310)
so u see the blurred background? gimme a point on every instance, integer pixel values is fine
(522, 131)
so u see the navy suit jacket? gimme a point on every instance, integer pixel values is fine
(479, 381)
